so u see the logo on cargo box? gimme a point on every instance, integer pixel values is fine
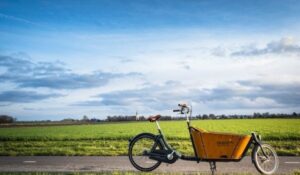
(224, 142)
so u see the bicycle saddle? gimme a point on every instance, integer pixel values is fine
(154, 118)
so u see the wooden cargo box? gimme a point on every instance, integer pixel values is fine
(214, 145)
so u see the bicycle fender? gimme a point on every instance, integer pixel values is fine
(141, 134)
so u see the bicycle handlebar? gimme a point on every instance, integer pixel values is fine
(185, 109)
(182, 105)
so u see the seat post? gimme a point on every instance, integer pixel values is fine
(158, 127)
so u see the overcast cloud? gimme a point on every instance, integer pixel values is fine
(241, 95)
(25, 73)
(117, 58)
(284, 45)
(24, 96)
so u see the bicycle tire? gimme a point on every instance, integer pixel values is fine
(260, 160)
(133, 161)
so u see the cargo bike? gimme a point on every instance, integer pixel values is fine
(147, 151)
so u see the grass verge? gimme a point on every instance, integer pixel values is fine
(109, 148)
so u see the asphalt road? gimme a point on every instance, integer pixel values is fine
(121, 163)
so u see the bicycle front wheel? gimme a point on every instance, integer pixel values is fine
(138, 149)
(265, 163)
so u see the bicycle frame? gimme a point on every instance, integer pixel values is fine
(170, 153)
(210, 147)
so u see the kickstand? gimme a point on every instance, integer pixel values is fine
(213, 167)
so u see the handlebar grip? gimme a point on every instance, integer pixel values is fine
(176, 110)
(182, 105)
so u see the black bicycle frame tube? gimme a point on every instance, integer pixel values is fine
(161, 138)
(257, 142)
(192, 140)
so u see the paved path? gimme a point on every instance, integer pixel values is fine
(121, 163)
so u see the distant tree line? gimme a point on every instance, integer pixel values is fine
(255, 115)
(207, 117)
(7, 119)
(134, 118)
(84, 119)
(118, 118)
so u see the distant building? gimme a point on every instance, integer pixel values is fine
(137, 116)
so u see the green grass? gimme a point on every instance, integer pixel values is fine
(112, 138)
(109, 147)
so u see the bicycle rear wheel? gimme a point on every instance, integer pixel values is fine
(265, 165)
(138, 149)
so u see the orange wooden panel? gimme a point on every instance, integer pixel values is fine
(213, 145)
(196, 135)
(240, 148)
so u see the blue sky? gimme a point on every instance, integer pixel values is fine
(62, 59)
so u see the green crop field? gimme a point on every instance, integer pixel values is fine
(112, 138)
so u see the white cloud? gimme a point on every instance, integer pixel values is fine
(284, 45)
(200, 63)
